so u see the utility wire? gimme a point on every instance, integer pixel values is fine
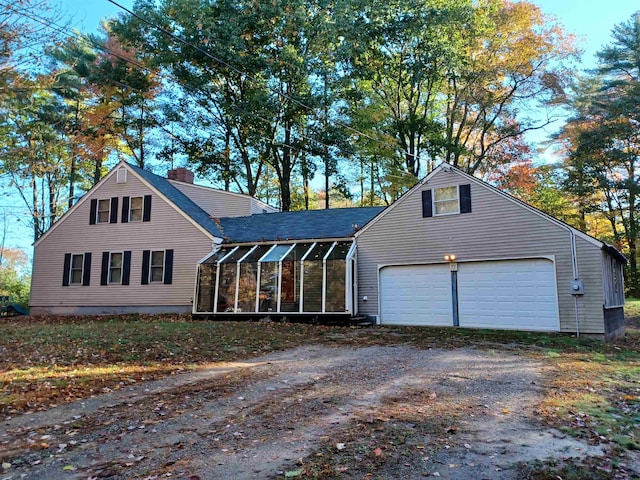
(160, 74)
(166, 32)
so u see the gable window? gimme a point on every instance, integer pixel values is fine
(446, 201)
(135, 209)
(77, 269)
(103, 210)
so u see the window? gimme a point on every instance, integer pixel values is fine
(77, 269)
(157, 266)
(115, 268)
(77, 263)
(135, 209)
(156, 270)
(445, 200)
(104, 210)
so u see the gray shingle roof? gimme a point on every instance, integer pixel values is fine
(306, 224)
(179, 199)
(264, 227)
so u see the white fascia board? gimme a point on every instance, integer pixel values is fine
(477, 181)
(111, 173)
(169, 202)
(404, 196)
(534, 210)
(82, 200)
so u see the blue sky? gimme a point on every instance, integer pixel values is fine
(590, 20)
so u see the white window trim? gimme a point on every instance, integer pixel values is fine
(109, 282)
(131, 209)
(434, 201)
(164, 259)
(108, 200)
(71, 282)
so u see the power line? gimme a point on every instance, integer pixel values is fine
(160, 74)
(251, 77)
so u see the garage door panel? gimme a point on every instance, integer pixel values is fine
(515, 294)
(416, 295)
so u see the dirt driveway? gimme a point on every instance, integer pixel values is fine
(388, 412)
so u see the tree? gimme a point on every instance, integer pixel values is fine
(604, 157)
(34, 153)
(14, 278)
(513, 61)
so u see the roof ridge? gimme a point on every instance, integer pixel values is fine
(179, 199)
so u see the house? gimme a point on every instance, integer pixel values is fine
(131, 244)
(452, 251)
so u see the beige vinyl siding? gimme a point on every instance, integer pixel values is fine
(217, 203)
(168, 229)
(590, 305)
(497, 228)
(260, 207)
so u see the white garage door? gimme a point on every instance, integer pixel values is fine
(416, 295)
(510, 294)
(514, 294)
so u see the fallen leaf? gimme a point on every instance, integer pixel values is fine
(505, 411)
(293, 473)
(68, 468)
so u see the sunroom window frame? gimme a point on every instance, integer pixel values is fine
(218, 262)
(310, 246)
(235, 305)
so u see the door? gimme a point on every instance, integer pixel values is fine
(416, 295)
(510, 294)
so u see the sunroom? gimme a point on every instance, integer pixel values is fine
(304, 278)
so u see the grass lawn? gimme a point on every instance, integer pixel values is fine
(593, 388)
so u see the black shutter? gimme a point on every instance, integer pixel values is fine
(465, 198)
(93, 212)
(104, 274)
(126, 267)
(146, 212)
(114, 210)
(86, 273)
(427, 206)
(145, 267)
(168, 266)
(66, 269)
(125, 210)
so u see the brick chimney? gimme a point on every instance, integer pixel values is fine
(181, 175)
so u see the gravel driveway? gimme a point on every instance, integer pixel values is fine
(462, 413)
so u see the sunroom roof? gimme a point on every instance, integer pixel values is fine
(299, 225)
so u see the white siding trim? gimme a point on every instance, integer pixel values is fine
(82, 200)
